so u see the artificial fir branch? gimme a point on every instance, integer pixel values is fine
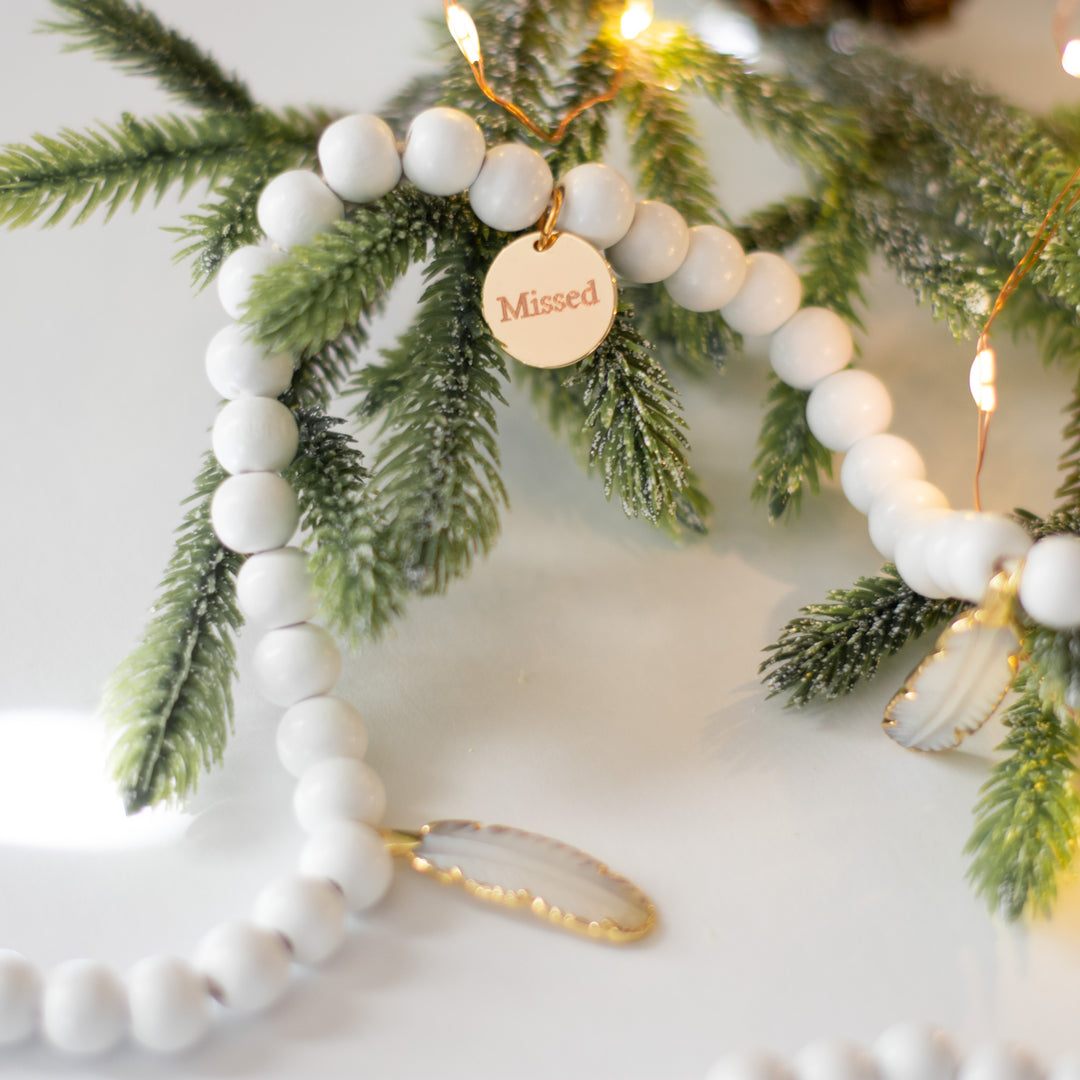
(360, 589)
(833, 646)
(779, 225)
(1068, 492)
(169, 703)
(696, 342)
(136, 41)
(1028, 819)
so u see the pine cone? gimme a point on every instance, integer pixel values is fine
(816, 12)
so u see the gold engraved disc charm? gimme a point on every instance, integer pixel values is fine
(550, 299)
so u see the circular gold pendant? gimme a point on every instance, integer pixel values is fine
(551, 307)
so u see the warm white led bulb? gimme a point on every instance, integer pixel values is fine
(636, 18)
(983, 380)
(463, 31)
(1070, 58)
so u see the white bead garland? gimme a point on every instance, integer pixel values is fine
(254, 512)
(444, 151)
(914, 1052)
(339, 789)
(513, 188)
(170, 1004)
(295, 207)
(354, 857)
(846, 407)
(20, 995)
(274, 588)
(309, 913)
(655, 245)
(254, 434)
(83, 1008)
(359, 158)
(712, 272)
(598, 204)
(896, 507)
(770, 294)
(237, 273)
(246, 965)
(1050, 583)
(236, 367)
(296, 662)
(317, 728)
(873, 463)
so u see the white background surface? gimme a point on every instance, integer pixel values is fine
(590, 680)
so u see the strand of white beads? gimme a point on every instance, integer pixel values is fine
(165, 1002)
(903, 1052)
(938, 552)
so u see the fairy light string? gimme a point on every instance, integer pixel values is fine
(635, 19)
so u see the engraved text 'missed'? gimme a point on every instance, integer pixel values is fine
(529, 305)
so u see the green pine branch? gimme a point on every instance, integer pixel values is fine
(1028, 818)
(136, 41)
(1068, 492)
(169, 704)
(779, 225)
(360, 590)
(345, 273)
(437, 470)
(831, 647)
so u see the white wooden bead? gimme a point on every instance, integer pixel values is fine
(811, 345)
(274, 588)
(84, 1008)
(655, 245)
(750, 1065)
(712, 272)
(295, 207)
(237, 367)
(170, 1004)
(318, 728)
(895, 506)
(915, 1052)
(911, 555)
(938, 546)
(877, 461)
(980, 542)
(1050, 582)
(1001, 1063)
(20, 997)
(254, 512)
(339, 789)
(296, 662)
(444, 150)
(834, 1059)
(309, 913)
(247, 966)
(598, 204)
(254, 434)
(513, 188)
(354, 857)
(1066, 1068)
(770, 294)
(359, 158)
(846, 407)
(237, 272)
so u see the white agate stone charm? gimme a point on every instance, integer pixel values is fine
(359, 158)
(598, 204)
(712, 272)
(655, 245)
(513, 189)
(444, 151)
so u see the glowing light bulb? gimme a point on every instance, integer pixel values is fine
(636, 18)
(1066, 29)
(1070, 58)
(463, 31)
(983, 380)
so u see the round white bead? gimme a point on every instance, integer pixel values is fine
(980, 542)
(444, 150)
(84, 1008)
(247, 966)
(1066, 1068)
(513, 188)
(1050, 582)
(750, 1065)
(20, 995)
(1001, 1063)
(309, 913)
(254, 434)
(877, 461)
(911, 558)
(237, 367)
(237, 272)
(895, 506)
(339, 789)
(170, 1004)
(296, 662)
(712, 272)
(915, 1052)
(354, 857)
(359, 158)
(274, 588)
(254, 512)
(770, 294)
(598, 204)
(811, 345)
(846, 407)
(655, 245)
(295, 207)
(938, 546)
(318, 728)
(834, 1059)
